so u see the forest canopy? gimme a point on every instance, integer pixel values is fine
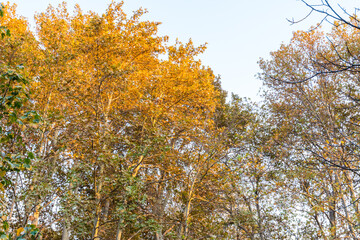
(108, 131)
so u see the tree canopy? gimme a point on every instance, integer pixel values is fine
(108, 131)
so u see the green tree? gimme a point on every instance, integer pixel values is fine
(15, 121)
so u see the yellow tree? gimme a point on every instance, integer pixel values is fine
(110, 104)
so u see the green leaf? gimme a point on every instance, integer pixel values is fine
(31, 155)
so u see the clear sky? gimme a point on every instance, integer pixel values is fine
(238, 32)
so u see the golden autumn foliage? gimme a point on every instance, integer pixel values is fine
(136, 138)
(108, 131)
(116, 114)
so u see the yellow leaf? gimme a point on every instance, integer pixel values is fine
(19, 231)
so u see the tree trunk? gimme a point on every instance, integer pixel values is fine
(185, 226)
(98, 203)
(65, 233)
(258, 209)
(119, 230)
(106, 209)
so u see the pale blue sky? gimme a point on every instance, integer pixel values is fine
(238, 32)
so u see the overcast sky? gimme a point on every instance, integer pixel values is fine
(238, 32)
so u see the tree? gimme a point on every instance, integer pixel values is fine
(116, 118)
(311, 87)
(16, 120)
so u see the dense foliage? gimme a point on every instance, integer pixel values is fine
(107, 131)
